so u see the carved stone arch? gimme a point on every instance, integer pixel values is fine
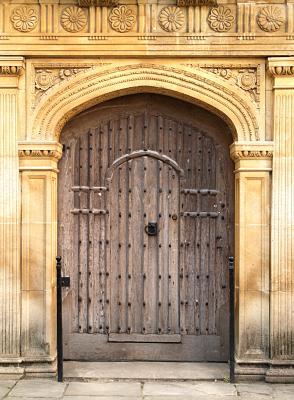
(198, 86)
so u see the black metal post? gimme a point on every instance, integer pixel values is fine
(59, 322)
(232, 319)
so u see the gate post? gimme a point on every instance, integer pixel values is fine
(38, 166)
(252, 224)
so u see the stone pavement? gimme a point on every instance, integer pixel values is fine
(35, 389)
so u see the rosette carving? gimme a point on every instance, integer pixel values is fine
(171, 18)
(24, 19)
(246, 80)
(73, 19)
(270, 19)
(122, 19)
(220, 19)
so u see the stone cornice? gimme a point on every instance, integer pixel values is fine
(280, 67)
(13, 66)
(250, 157)
(249, 151)
(34, 150)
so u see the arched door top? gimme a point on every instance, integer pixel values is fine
(141, 153)
(198, 86)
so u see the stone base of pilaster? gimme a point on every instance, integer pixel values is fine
(246, 371)
(280, 372)
(16, 368)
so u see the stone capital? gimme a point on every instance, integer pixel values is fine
(11, 66)
(252, 156)
(40, 156)
(282, 69)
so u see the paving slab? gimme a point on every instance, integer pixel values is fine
(38, 389)
(188, 389)
(145, 370)
(101, 398)
(5, 387)
(257, 388)
(193, 397)
(123, 389)
(254, 396)
(31, 398)
(216, 388)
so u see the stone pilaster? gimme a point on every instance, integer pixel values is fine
(253, 163)
(282, 245)
(38, 168)
(10, 103)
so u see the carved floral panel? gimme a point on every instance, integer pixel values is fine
(87, 17)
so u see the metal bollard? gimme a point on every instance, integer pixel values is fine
(60, 282)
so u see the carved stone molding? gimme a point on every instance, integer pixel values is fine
(252, 155)
(98, 3)
(10, 70)
(11, 66)
(67, 100)
(28, 151)
(48, 75)
(281, 70)
(245, 77)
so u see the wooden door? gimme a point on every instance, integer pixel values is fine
(144, 249)
(145, 231)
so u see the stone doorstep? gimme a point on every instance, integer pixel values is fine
(145, 371)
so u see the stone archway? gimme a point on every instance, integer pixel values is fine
(198, 87)
(252, 155)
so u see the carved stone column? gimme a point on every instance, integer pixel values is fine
(252, 227)
(38, 166)
(11, 83)
(282, 250)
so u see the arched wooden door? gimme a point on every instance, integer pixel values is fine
(145, 231)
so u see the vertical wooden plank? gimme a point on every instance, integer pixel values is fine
(130, 133)
(212, 268)
(76, 237)
(181, 159)
(114, 199)
(107, 131)
(96, 200)
(190, 235)
(123, 228)
(123, 246)
(204, 263)
(136, 244)
(152, 138)
(163, 241)
(160, 130)
(84, 224)
(173, 255)
(198, 204)
(103, 225)
(138, 136)
(91, 274)
(151, 281)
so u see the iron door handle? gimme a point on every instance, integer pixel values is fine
(151, 228)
